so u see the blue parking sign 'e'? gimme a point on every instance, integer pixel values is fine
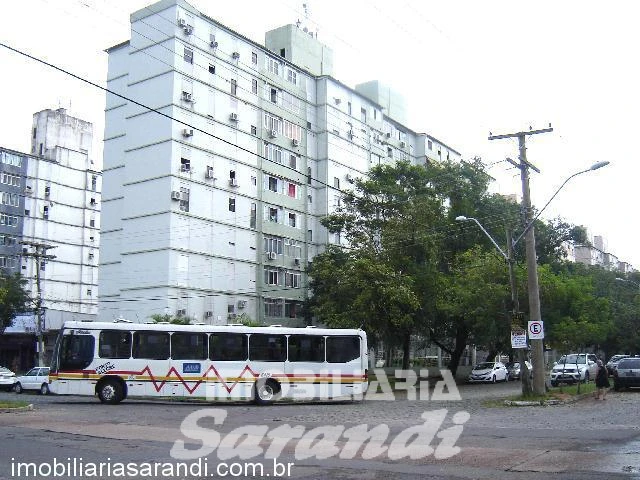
(190, 368)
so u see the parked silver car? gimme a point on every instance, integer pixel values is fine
(573, 368)
(612, 364)
(514, 370)
(35, 379)
(489, 372)
(627, 374)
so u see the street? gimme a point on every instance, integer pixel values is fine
(586, 439)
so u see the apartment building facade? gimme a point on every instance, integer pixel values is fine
(51, 196)
(213, 199)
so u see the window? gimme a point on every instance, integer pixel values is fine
(234, 86)
(272, 123)
(273, 66)
(92, 222)
(292, 279)
(188, 55)
(292, 76)
(185, 165)
(76, 352)
(292, 130)
(290, 102)
(7, 261)
(273, 95)
(310, 235)
(254, 130)
(272, 244)
(272, 153)
(114, 344)
(232, 204)
(89, 292)
(292, 220)
(363, 114)
(13, 180)
(10, 199)
(184, 199)
(41, 149)
(13, 159)
(253, 217)
(94, 182)
(293, 161)
(228, 346)
(271, 276)
(336, 182)
(45, 213)
(273, 215)
(47, 191)
(343, 349)
(35, 130)
(292, 190)
(9, 220)
(282, 52)
(267, 347)
(349, 108)
(151, 345)
(254, 86)
(273, 307)
(306, 348)
(308, 175)
(189, 346)
(273, 184)
(232, 174)
(212, 69)
(254, 58)
(429, 144)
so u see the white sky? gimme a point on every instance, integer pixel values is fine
(466, 68)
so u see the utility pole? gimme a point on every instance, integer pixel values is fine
(537, 346)
(39, 254)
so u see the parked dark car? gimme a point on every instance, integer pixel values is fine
(612, 364)
(627, 374)
(514, 370)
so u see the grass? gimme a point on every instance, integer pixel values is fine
(563, 392)
(12, 404)
(573, 389)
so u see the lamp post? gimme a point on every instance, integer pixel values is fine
(537, 346)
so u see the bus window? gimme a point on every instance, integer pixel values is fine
(267, 348)
(114, 344)
(342, 349)
(306, 348)
(228, 346)
(76, 352)
(189, 346)
(151, 345)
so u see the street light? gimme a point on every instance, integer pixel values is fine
(462, 218)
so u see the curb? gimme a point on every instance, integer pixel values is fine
(17, 409)
(546, 403)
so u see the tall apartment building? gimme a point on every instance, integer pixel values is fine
(212, 202)
(52, 196)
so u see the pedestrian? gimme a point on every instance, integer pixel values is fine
(602, 381)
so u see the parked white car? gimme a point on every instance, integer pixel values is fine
(35, 379)
(573, 368)
(7, 378)
(489, 372)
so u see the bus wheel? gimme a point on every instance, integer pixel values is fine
(110, 392)
(266, 391)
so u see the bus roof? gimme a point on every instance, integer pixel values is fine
(166, 327)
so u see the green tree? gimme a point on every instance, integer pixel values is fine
(14, 299)
(174, 320)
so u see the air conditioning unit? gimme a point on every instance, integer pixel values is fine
(93, 201)
(209, 173)
(271, 255)
(295, 142)
(242, 303)
(187, 132)
(182, 22)
(187, 97)
(175, 195)
(388, 135)
(181, 312)
(233, 182)
(338, 101)
(231, 316)
(208, 314)
(296, 261)
(90, 255)
(235, 55)
(213, 44)
(273, 133)
(185, 167)
(403, 144)
(188, 29)
(233, 117)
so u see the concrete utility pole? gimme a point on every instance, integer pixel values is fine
(537, 346)
(39, 254)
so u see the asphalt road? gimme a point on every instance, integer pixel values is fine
(588, 439)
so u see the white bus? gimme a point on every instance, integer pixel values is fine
(234, 362)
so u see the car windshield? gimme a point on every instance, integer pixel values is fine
(616, 358)
(575, 358)
(629, 363)
(484, 366)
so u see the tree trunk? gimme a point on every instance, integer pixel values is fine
(462, 334)
(492, 354)
(406, 351)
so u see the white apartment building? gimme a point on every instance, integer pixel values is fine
(51, 197)
(212, 201)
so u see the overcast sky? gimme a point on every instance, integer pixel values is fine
(466, 69)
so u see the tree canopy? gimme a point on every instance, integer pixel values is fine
(14, 298)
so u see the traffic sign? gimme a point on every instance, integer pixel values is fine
(535, 330)
(519, 339)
